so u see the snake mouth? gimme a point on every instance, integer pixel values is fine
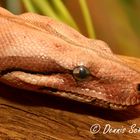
(85, 99)
(29, 84)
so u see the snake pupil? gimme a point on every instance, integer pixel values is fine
(138, 88)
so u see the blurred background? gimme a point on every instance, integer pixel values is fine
(116, 22)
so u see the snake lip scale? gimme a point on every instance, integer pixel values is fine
(87, 99)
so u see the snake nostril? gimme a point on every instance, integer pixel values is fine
(138, 88)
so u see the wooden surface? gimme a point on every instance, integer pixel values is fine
(31, 116)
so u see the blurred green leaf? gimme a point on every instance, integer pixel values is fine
(87, 18)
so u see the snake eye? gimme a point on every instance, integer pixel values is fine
(81, 72)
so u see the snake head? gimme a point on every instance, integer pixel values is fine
(40, 54)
